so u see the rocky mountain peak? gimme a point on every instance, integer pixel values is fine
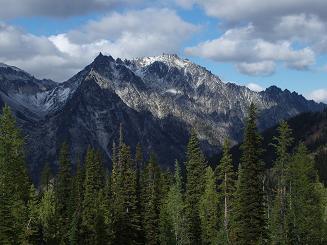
(168, 59)
(158, 98)
(274, 90)
(102, 60)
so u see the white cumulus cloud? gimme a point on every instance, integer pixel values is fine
(255, 87)
(252, 55)
(319, 95)
(129, 34)
(264, 68)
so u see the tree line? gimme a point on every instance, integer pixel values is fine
(137, 202)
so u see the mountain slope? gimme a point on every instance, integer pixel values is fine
(157, 99)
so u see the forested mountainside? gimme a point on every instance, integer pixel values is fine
(158, 100)
(138, 202)
(309, 128)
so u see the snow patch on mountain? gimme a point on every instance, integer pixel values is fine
(173, 91)
(169, 59)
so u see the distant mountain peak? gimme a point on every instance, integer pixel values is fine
(273, 89)
(103, 60)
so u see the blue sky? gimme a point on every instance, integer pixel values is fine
(249, 42)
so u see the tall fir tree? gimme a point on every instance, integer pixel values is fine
(278, 222)
(93, 230)
(139, 163)
(126, 202)
(107, 207)
(227, 179)
(77, 192)
(195, 171)
(131, 215)
(166, 230)
(33, 227)
(173, 222)
(14, 182)
(47, 215)
(250, 221)
(116, 194)
(63, 192)
(151, 201)
(209, 209)
(305, 202)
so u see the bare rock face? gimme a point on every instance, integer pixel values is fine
(157, 99)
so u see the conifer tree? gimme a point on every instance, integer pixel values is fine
(76, 204)
(14, 183)
(107, 207)
(117, 185)
(32, 230)
(126, 202)
(166, 230)
(209, 209)
(139, 157)
(226, 187)
(195, 171)
(250, 221)
(63, 191)
(173, 222)
(131, 215)
(116, 194)
(48, 218)
(92, 218)
(174, 206)
(151, 201)
(139, 163)
(282, 144)
(305, 202)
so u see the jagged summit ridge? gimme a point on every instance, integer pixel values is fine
(169, 59)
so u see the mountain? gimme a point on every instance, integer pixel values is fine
(156, 99)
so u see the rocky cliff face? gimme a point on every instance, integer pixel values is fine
(157, 99)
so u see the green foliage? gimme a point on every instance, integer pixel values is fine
(77, 194)
(131, 216)
(93, 231)
(209, 209)
(173, 221)
(125, 195)
(14, 183)
(195, 170)
(63, 191)
(278, 221)
(136, 204)
(305, 200)
(250, 221)
(151, 201)
(48, 218)
(226, 176)
(33, 227)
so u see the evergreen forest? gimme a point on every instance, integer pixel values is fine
(138, 202)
